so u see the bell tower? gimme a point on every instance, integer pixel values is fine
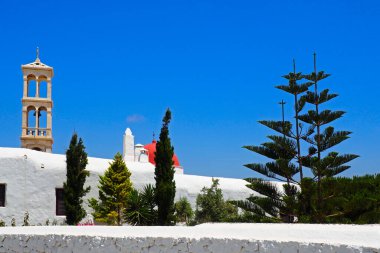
(37, 106)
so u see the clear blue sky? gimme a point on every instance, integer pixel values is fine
(215, 63)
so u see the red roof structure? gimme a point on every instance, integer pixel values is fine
(151, 147)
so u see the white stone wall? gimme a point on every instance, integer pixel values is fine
(218, 238)
(81, 244)
(31, 178)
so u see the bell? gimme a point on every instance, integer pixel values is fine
(39, 114)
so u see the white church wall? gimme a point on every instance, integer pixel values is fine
(31, 178)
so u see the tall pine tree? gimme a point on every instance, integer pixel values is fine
(73, 188)
(164, 175)
(284, 151)
(322, 165)
(115, 187)
(305, 201)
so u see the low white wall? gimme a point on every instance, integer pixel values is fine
(218, 238)
(61, 243)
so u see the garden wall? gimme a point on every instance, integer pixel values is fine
(218, 238)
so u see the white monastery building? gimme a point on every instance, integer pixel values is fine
(31, 177)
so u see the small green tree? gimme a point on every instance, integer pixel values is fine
(164, 175)
(211, 207)
(73, 188)
(183, 210)
(114, 189)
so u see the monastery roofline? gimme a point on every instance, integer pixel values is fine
(50, 161)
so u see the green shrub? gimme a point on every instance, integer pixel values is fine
(183, 210)
(211, 207)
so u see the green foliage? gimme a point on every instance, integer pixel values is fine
(300, 197)
(355, 200)
(164, 175)
(114, 189)
(274, 204)
(148, 195)
(136, 212)
(140, 206)
(2, 223)
(211, 206)
(73, 188)
(325, 137)
(183, 210)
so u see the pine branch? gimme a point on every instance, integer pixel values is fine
(320, 76)
(263, 170)
(322, 118)
(265, 188)
(263, 150)
(295, 89)
(279, 126)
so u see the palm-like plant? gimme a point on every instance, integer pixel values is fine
(140, 207)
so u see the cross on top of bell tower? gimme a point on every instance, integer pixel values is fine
(37, 55)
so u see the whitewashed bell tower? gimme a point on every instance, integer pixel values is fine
(37, 106)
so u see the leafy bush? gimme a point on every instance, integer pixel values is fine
(211, 207)
(183, 210)
(356, 200)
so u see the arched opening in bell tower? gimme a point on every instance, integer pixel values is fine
(42, 86)
(31, 120)
(42, 121)
(32, 86)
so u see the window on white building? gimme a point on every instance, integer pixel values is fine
(59, 204)
(2, 194)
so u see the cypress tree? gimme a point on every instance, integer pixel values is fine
(73, 188)
(164, 175)
(115, 187)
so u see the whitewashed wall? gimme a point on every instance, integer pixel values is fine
(31, 178)
(218, 238)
